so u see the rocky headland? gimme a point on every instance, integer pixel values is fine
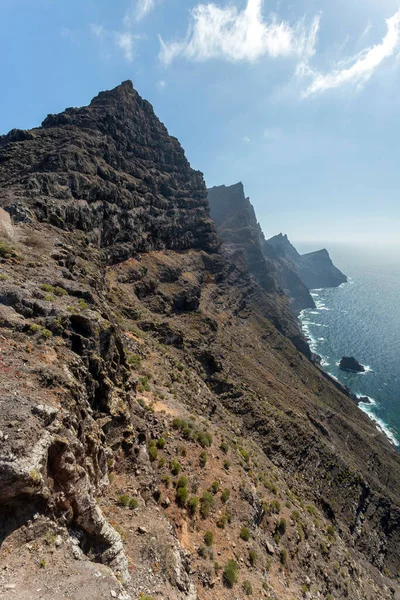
(163, 431)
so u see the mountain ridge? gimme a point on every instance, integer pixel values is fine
(153, 391)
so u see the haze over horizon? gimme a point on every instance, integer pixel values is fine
(298, 101)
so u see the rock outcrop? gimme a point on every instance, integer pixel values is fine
(152, 389)
(349, 363)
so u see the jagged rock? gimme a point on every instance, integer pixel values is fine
(349, 363)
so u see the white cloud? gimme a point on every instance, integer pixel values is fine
(161, 84)
(137, 12)
(245, 35)
(246, 139)
(363, 65)
(124, 41)
(97, 30)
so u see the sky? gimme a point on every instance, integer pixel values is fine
(298, 100)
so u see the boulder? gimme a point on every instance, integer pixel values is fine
(349, 363)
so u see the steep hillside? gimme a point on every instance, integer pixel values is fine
(160, 434)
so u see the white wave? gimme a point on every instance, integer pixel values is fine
(314, 295)
(367, 369)
(321, 339)
(324, 362)
(314, 312)
(367, 408)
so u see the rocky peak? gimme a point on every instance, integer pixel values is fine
(111, 170)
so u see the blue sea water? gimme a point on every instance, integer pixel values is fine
(362, 319)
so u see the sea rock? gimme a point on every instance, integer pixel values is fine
(349, 363)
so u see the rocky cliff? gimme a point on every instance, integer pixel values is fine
(242, 237)
(316, 269)
(161, 436)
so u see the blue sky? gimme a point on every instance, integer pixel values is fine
(297, 100)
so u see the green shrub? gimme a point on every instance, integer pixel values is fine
(247, 588)
(277, 537)
(182, 482)
(6, 251)
(230, 574)
(161, 462)
(166, 480)
(181, 496)
(295, 516)
(284, 557)
(134, 359)
(192, 505)
(175, 467)
(217, 567)
(59, 291)
(203, 459)
(245, 455)
(83, 304)
(206, 504)
(161, 443)
(3, 277)
(145, 597)
(245, 533)
(330, 531)
(282, 526)
(214, 487)
(209, 538)
(222, 521)
(227, 465)
(275, 507)
(182, 451)
(224, 447)
(153, 453)
(46, 287)
(225, 496)
(128, 501)
(46, 333)
(253, 557)
(311, 509)
(35, 328)
(204, 439)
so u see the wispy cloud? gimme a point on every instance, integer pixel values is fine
(234, 35)
(138, 11)
(363, 65)
(124, 41)
(273, 134)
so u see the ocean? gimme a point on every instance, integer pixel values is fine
(362, 319)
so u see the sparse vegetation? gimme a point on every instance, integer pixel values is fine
(230, 574)
(245, 534)
(253, 557)
(215, 487)
(175, 467)
(224, 447)
(181, 496)
(225, 496)
(284, 557)
(192, 505)
(247, 587)
(206, 504)
(203, 459)
(128, 501)
(153, 453)
(161, 443)
(209, 538)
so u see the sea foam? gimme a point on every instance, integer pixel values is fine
(368, 409)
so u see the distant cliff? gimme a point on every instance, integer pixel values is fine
(316, 269)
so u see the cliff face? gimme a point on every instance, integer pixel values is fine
(151, 390)
(316, 269)
(242, 235)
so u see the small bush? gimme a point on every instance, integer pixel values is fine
(217, 567)
(175, 467)
(83, 304)
(330, 531)
(204, 439)
(311, 509)
(245, 534)
(192, 505)
(225, 496)
(161, 443)
(134, 359)
(206, 504)
(203, 459)
(222, 521)
(166, 480)
(6, 251)
(275, 507)
(209, 538)
(215, 487)
(245, 455)
(153, 453)
(181, 496)
(295, 516)
(161, 462)
(46, 287)
(182, 451)
(253, 557)
(282, 526)
(227, 465)
(128, 501)
(182, 482)
(35, 328)
(59, 291)
(284, 557)
(230, 574)
(46, 334)
(247, 588)
(224, 447)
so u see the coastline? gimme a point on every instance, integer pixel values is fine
(365, 403)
